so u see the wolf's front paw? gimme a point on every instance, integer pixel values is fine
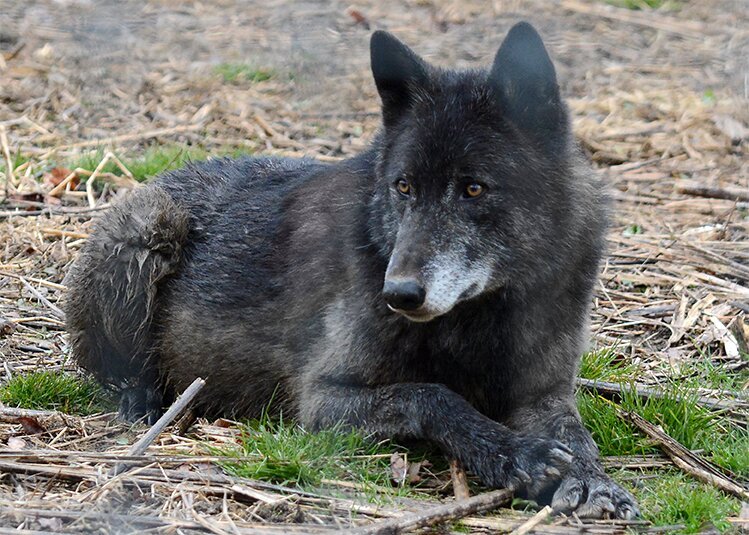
(592, 494)
(530, 465)
(140, 404)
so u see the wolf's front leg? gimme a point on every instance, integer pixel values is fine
(585, 489)
(499, 456)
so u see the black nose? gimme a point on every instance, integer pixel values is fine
(403, 295)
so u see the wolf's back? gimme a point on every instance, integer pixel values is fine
(113, 284)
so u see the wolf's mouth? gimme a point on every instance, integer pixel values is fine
(417, 316)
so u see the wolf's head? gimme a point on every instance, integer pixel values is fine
(472, 172)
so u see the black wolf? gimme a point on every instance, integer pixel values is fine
(437, 286)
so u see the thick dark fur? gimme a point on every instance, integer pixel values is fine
(265, 276)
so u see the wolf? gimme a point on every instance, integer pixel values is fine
(434, 287)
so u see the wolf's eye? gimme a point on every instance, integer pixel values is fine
(473, 190)
(403, 187)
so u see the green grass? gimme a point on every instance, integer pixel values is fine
(671, 497)
(682, 419)
(16, 160)
(675, 498)
(606, 365)
(54, 391)
(704, 372)
(243, 72)
(285, 453)
(668, 5)
(153, 161)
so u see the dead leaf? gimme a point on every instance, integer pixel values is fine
(402, 471)
(6, 327)
(398, 468)
(740, 329)
(358, 16)
(204, 468)
(32, 198)
(53, 524)
(223, 422)
(691, 318)
(414, 471)
(731, 128)
(16, 443)
(57, 175)
(30, 425)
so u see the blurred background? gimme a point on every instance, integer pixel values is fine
(98, 67)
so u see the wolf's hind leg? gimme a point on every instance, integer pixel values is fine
(112, 296)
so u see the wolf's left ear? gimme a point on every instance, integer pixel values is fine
(397, 71)
(526, 85)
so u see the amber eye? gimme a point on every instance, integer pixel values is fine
(474, 190)
(403, 187)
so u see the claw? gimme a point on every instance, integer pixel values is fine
(626, 512)
(561, 454)
(553, 472)
(523, 475)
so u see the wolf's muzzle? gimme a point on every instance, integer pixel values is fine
(403, 295)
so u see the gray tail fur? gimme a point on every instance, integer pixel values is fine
(113, 286)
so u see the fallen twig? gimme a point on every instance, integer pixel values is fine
(175, 410)
(436, 515)
(152, 521)
(52, 307)
(13, 413)
(127, 137)
(10, 181)
(731, 193)
(53, 211)
(532, 522)
(64, 233)
(609, 389)
(692, 29)
(686, 460)
(459, 480)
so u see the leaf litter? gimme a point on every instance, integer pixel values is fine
(659, 105)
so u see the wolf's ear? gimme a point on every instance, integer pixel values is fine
(397, 70)
(526, 85)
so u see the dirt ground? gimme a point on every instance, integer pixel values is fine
(659, 99)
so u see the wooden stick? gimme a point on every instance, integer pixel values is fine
(13, 413)
(731, 193)
(608, 389)
(10, 180)
(460, 480)
(177, 407)
(691, 463)
(52, 211)
(532, 522)
(64, 233)
(448, 512)
(53, 308)
(692, 29)
(43, 282)
(126, 137)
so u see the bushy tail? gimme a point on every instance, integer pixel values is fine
(112, 287)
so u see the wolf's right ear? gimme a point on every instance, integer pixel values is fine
(397, 71)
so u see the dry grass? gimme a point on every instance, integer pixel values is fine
(658, 103)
